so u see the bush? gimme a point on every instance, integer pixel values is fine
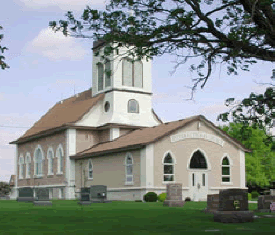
(249, 196)
(254, 194)
(150, 197)
(188, 199)
(162, 197)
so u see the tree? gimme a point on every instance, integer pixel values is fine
(260, 164)
(2, 49)
(4, 188)
(260, 111)
(235, 32)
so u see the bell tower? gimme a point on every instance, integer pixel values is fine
(126, 83)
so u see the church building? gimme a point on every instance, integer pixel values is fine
(110, 135)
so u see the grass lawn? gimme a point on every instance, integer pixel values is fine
(66, 217)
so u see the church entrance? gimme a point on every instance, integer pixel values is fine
(198, 177)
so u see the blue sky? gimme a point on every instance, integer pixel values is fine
(46, 67)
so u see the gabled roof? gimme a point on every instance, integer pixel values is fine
(140, 138)
(62, 114)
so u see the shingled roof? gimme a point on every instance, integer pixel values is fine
(62, 114)
(144, 136)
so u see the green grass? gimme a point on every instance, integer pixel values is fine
(66, 217)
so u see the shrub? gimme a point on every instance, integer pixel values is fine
(162, 197)
(254, 194)
(249, 196)
(150, 197)
(187, 199)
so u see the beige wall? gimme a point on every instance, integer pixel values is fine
(182, 151)
(104, 135)
(85, 139)
(123, 131)
(45, 143)
(108, 170)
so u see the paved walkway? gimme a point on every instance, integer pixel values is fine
(252, 202)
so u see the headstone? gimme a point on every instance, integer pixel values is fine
(85, 198)
(272, 192)
(272, 207)
(98, 194)
(264, 202)
(25, 195)
(233, 207)
(212, 203)
(42, 197)
(174, 195)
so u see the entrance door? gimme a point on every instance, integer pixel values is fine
(198, 185)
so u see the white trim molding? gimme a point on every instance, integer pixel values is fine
(242, 169)
(58, 159)
(147, 166)
(28, 165)
(128, 154)
(50, 149)
(174, 162)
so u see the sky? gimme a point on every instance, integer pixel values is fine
(46, 67)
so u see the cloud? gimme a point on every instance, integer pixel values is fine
(64, 5)
(56, 46)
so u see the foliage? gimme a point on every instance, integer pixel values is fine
(162, 197)
(150, 197)
(260, 111)
(4, 188)
(249, 196)
(2, 50)
(188, 199)
(221, 31)
(260, 164)
(255, 194)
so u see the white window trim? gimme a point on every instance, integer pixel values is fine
(126, 165)
(50, 149)
(173, 164)
(43, 158)
(128, 108)
(90, 161)
(133, 71)
(58, 159)
(230, 168)
(104, 75)
(21, 166)
(28, 164)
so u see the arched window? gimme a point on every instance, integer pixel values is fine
(28, 165)
(225, 170)
(50, 157)
(38, 158)
(133, 106)
(21, 167)
(90, 173)
(60, 159)
(107, 73)
(127, 72)
(138, 74)
(198, 161)
(169, 173)
(129, 168)
(100, 76)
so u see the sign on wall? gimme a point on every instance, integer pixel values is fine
(196, 135)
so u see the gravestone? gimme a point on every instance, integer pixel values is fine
(98, 194)
(85, 198)
(25, 195)
(212, 203)
(233, 207)
(174, 195)
(42, 197)
(264, 202)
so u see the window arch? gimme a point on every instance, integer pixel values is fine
(100, 76)
(60, 159)
(198, 161)
(129, 168)
(225, 169)
(133, 106)
(50, 156)
(107, 73)
(90, 169)
(28, 165)
(38, 159)
(21, 167)
(168, 168)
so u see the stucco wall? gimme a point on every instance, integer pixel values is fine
(104, 135)
(108, 170)
(182, 151)
(85, 139)
(50, 141)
